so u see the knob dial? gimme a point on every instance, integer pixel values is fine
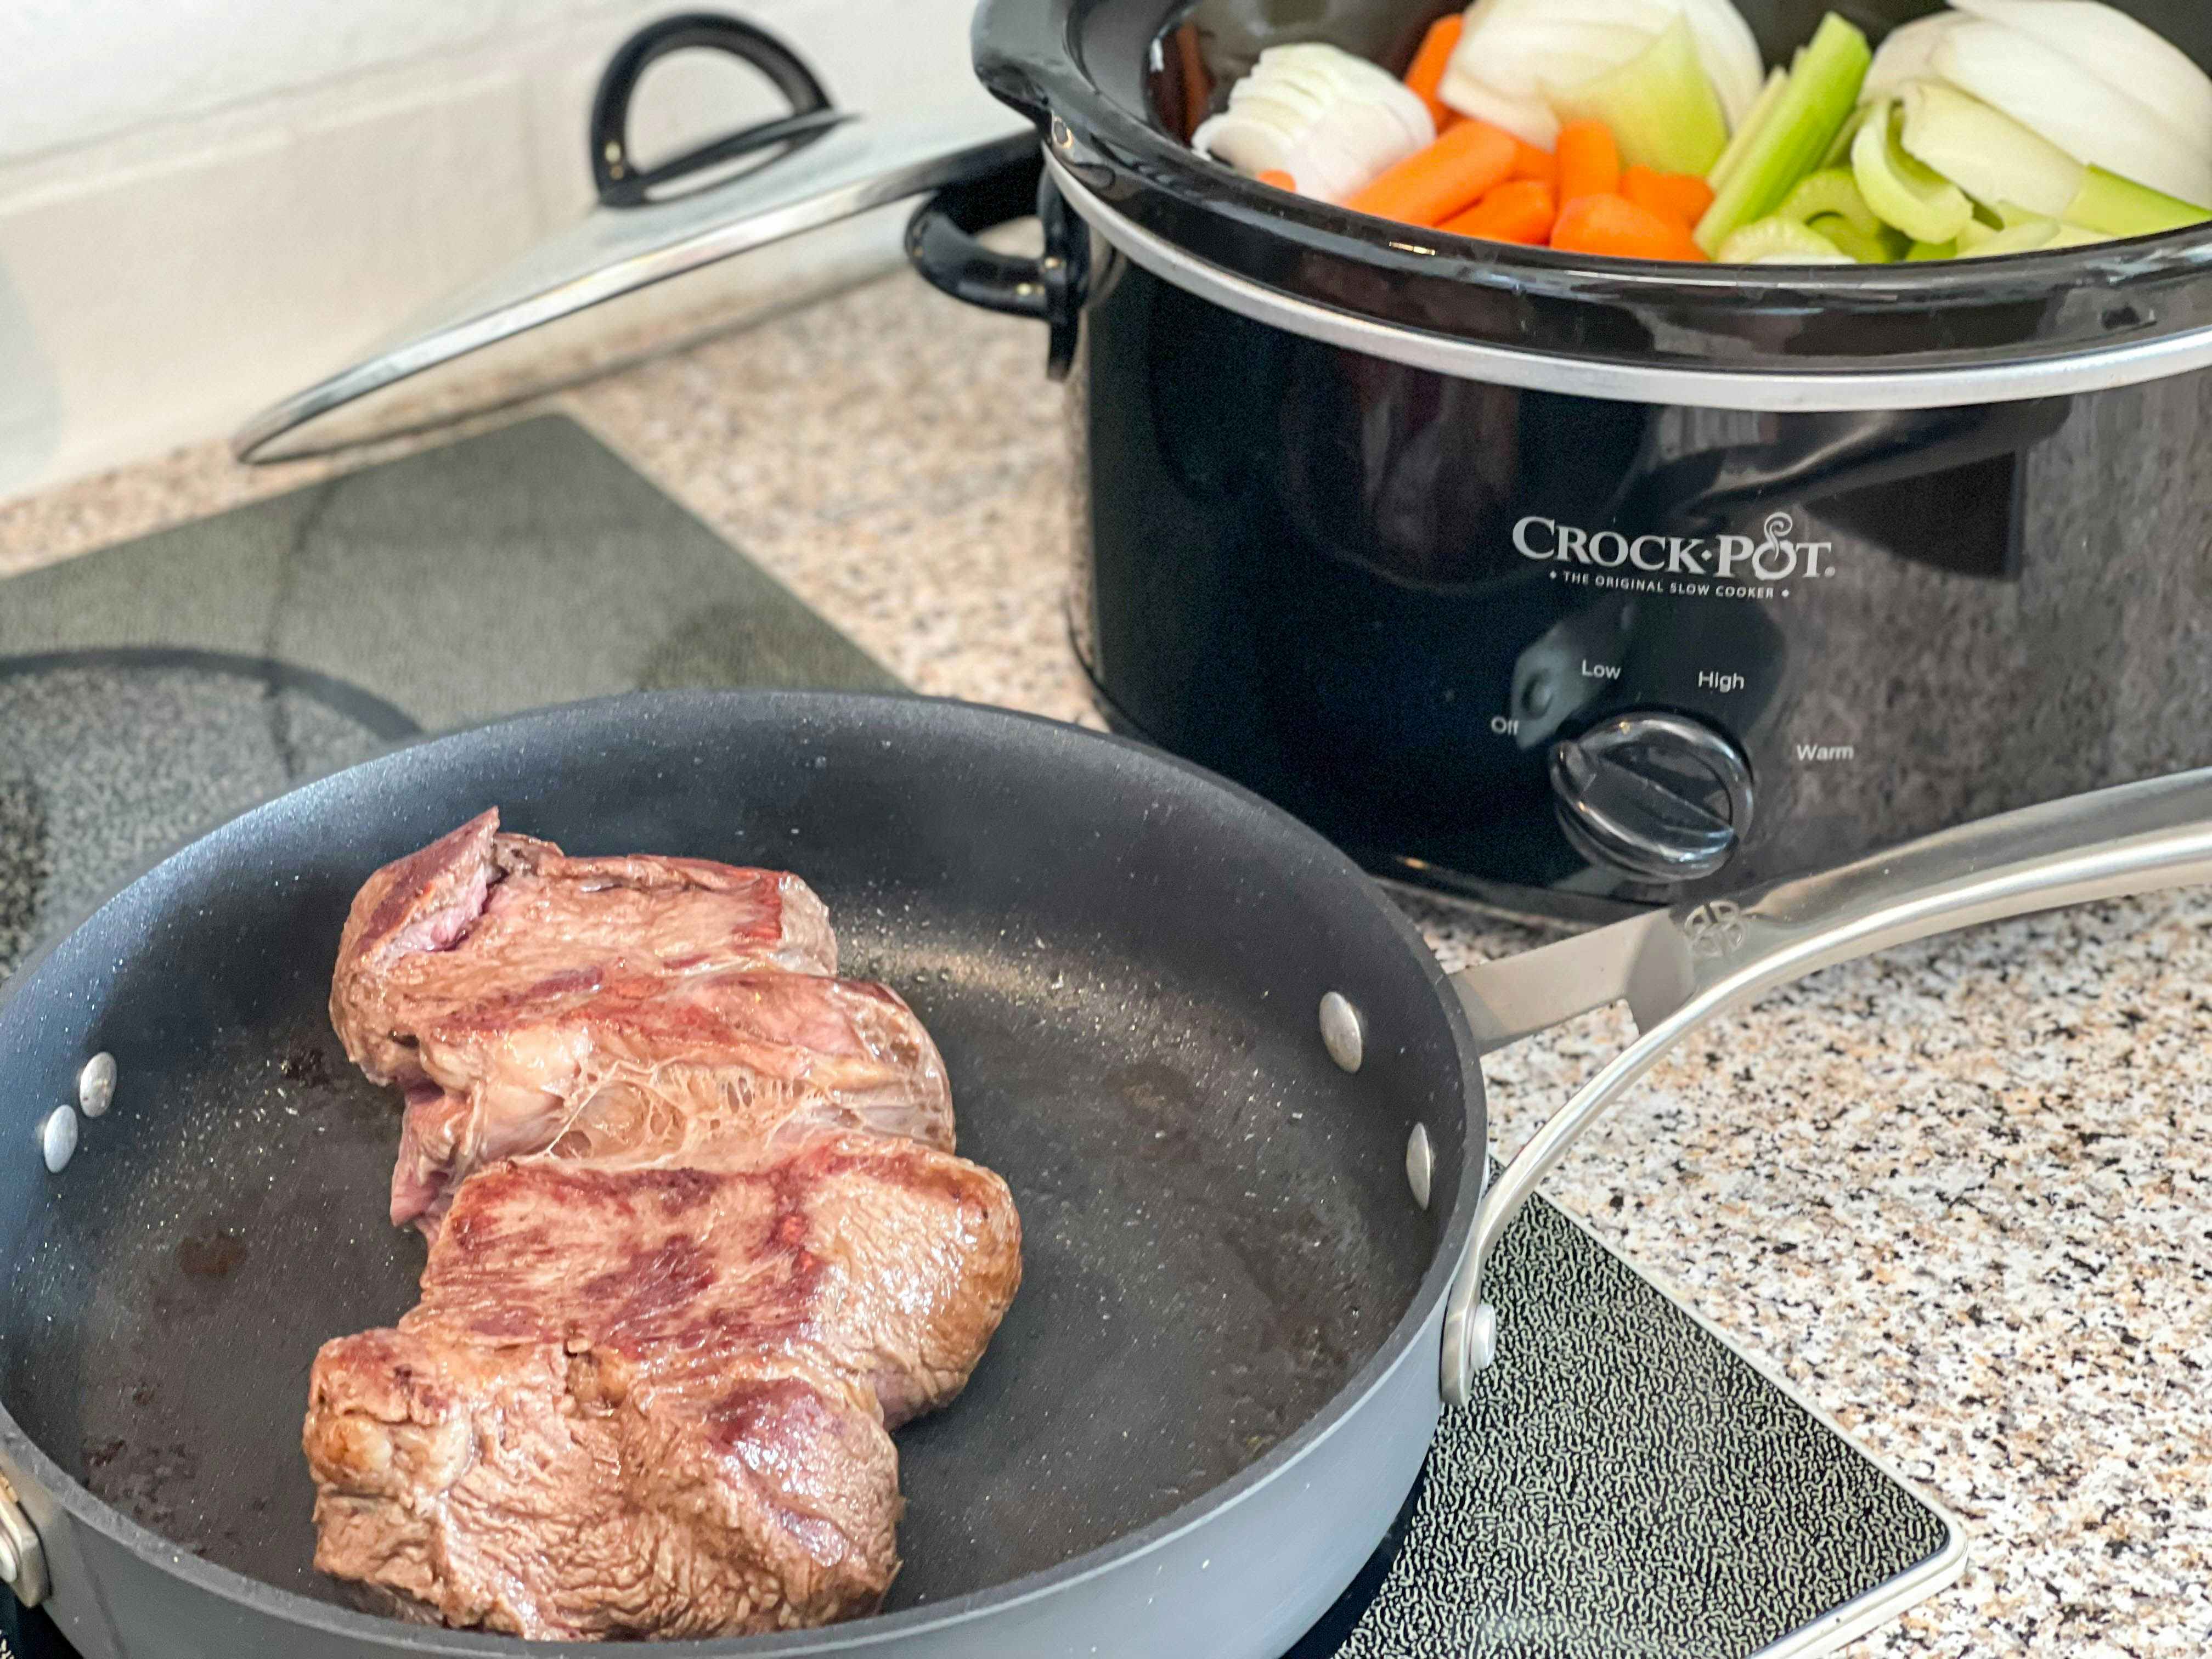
(1657, 795)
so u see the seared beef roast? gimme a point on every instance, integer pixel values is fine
(698, 1242)
(528, 1000)
(656, 1067)
(653, 1403)
(479, 917)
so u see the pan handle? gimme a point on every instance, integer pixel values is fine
(1679, 970)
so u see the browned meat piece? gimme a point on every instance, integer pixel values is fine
(653, 1402)
(523, 997)
(477, 917)
(659, 1069)
(698, 1243)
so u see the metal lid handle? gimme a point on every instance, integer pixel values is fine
(1679, 969)
(617, 177)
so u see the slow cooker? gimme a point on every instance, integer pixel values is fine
(1568, 585)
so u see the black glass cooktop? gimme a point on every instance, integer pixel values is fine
(1624, 1483)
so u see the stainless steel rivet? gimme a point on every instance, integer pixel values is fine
(1420, 1163)
(23, 1559)
(1482, 1338)
(57, 1138)
(96, 1084)
(1343, 1033)
(1060, 135)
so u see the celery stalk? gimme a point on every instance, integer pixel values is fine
(1831, 190)
(2121, 207)
(1972, 235)
(1774, 241)
(1923, 252)
(1921, 203)
(1879, 246)
(2031, 235)
(1823, 91)
(1661, 104)
(1732, 157)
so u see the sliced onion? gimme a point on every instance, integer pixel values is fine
(1522, 51)
(1528, 119)
(2121, 53)
(1346, 76)
(1726, 46)
(1987, 154)
(1730, 54)
(1330, 120)
(2046, 90)
(1908, 53)
(1512, 49)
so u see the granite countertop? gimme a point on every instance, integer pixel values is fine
(1960, 1196)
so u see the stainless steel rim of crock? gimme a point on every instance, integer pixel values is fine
(1932, 335)
(1765, 391)
(1110, 848)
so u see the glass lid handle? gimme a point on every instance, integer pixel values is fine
(620, 182)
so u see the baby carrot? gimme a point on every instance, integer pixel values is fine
(1427, 72)
(1530, 162)
(1449, 177)
(1682, 196)
(1279, 179)
(1520, 211)
(1589, 160)
(1614, 225)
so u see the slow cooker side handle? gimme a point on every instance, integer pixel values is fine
(943, 241)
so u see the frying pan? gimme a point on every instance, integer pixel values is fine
(1238, 1100)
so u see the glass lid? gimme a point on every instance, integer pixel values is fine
(544, 321)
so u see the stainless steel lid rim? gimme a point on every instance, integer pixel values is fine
(1806, 389)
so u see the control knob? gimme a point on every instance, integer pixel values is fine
(1657, 795)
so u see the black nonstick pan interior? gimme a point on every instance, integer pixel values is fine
(1121, 961)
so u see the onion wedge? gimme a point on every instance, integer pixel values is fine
(1515, 49)
(1995, 160)
(2050, 92)
(1908, 53)
(2119, 50)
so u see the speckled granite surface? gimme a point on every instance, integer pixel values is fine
(1961, 1196)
